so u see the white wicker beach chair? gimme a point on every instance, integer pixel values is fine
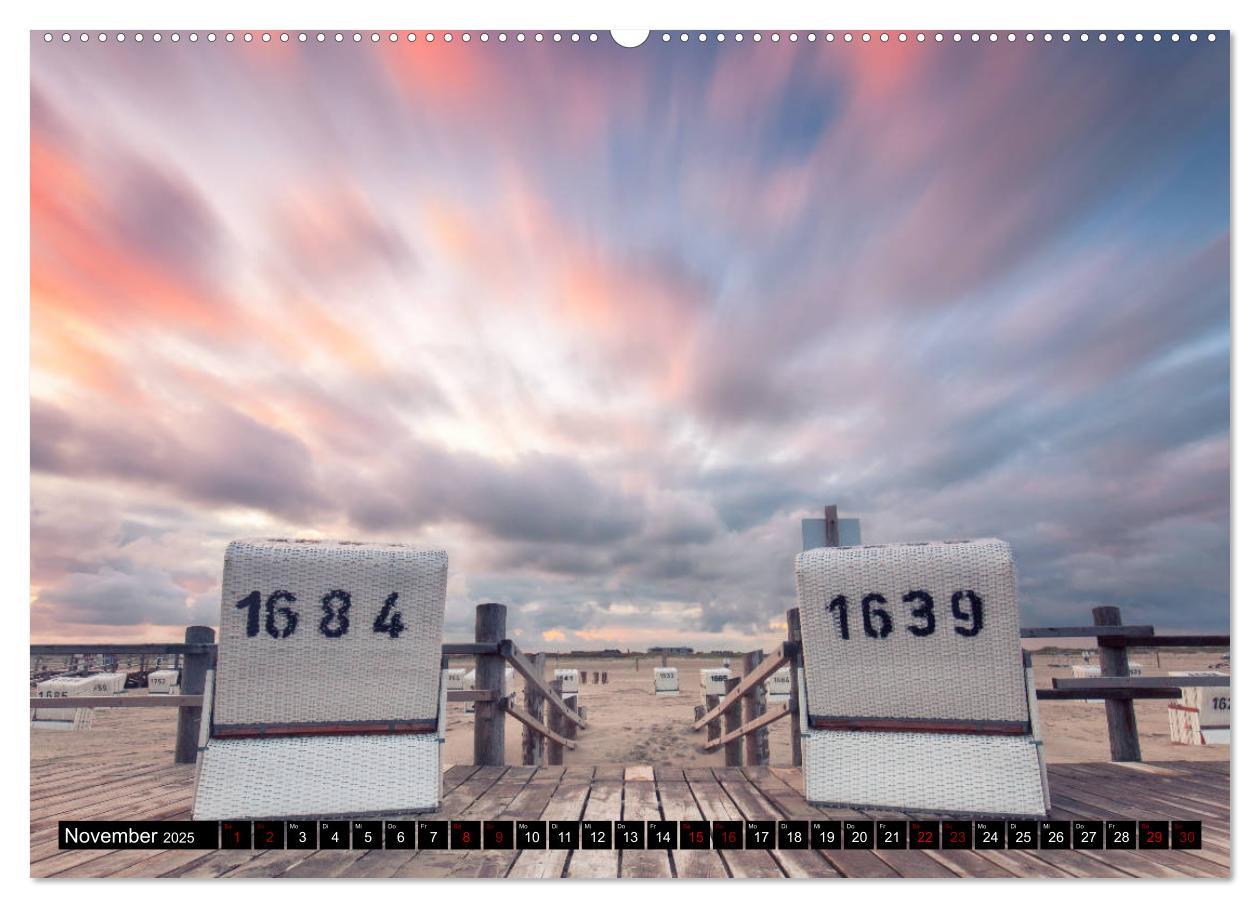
(62, 719)
(915, 694)
(329, 695)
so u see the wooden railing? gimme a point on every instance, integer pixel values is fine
(491, 702)
(1115, 686)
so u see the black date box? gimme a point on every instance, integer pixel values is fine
(629, 834)
(1153, 834)
(466, 835)
(826, 834)
(890, 834)
(597, 834)
(989, 835)
(728, 835)
(433, 835)
(497, 834)
(859, 834)
(400, 835)
(694, 834)
(334, 834)
(759, 834)
(925, 835)
(1087, 835)
(236, 834)
(301, 834)
(563, 834)
(367, 834)
(1121, 834)
(793, 834)
(956, 834)
(1021, 835)
(1187, 834)
(662, 833)
(1056, 835)
(531, 834)
(268, 834)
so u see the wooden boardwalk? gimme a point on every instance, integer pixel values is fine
(148, 787)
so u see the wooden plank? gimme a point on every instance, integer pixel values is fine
(794, 696)
(776, 660)
(603, 803)
(1089, 630)
(159, 701)
(567, 803)
(766, 718)
(120, 649)
(1125, 682)
(1110, 693)
(640, 803)
(677, 803)
(516, 658)
(469, 696)
(715, 804)
(753, 806)
(1113, 661)
(526, 719)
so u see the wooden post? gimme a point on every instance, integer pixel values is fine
(531, 741)
(831, 526)
(192, 682)
(488, 720)
(582, 677)
(664, 661)
(757, 743)
(1121, 721)
(794, 636)
(569, 727)
(603, 677)
(556, 722)
(734, 716)
(714, 728)
(636, 663)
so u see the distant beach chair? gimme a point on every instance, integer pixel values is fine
(665, 681)
(916, 695)
(329, 694)
(1202, 715)
(61, 719)
(164, 681)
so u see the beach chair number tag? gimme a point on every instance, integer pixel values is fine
(966, 607)
(280, 621)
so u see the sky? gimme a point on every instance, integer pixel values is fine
(607, 323)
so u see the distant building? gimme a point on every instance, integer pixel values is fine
(670, 651)
(595, 652)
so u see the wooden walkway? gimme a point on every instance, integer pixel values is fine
(84, 788)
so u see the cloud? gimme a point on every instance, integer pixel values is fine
(608, 325)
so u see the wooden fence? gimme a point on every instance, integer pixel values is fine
(492, 703)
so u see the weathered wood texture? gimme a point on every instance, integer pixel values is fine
(489, 720)
(193, 682)
(794, 698)
(532, 743)
(756, 742)
(131, 782)
(1121, 720)
(733, 718)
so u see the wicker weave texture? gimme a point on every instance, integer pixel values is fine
(54, 688)
(319, 776)
(965, 774)
(944, 674)
(309, 676)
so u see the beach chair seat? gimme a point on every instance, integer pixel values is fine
(915, 692)
(328, 698)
